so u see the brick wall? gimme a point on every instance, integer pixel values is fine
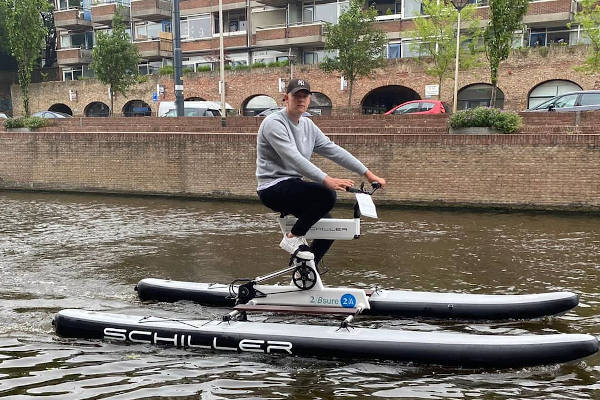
(518, 76)
(519, 171)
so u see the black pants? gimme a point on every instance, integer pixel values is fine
(307, 201)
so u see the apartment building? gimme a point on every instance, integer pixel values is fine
(276, 30)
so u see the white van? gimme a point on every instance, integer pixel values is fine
(192, 109)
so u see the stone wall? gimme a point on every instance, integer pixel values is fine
(511, 171)
(518, 76)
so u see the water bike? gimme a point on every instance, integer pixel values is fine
(307, 294)
(233, 332)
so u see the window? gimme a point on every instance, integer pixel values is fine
(394, 50)
(150, 30)
(407, 109)
(412, 8)
(84, 40)
(549, 89)
(427, 106)
(196, 27)
(590, 99)
(310, 57)
(566, 101)
(308, 14)
(72, 74)
(68, 4)
(478, 95)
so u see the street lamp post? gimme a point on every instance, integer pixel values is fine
(459, 5)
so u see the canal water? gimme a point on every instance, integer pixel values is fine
(88, 251)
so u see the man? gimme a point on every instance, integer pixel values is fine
(285, 143)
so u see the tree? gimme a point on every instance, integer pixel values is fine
(589, 19)
(504, 19)
(115, 59)
(26, 33)
(50, 50)
(435, 38)
(359, 46)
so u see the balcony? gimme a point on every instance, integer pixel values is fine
(151, 10)
(156, 49)
(103, 13)
(229, 42)
(75, 56)
(190, 7)
(71, 20)
(299, 35)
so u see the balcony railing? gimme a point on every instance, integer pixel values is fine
(72, 19)
(155, 48)
(74, 56)
(151, 10)
(103, 13)
(301, 34)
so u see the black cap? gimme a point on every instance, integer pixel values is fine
(295, 85)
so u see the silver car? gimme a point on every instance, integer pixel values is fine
(50, 114)
(582, 100)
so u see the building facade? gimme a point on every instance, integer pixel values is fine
(272, 31)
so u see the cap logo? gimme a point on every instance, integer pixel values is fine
(300, 82)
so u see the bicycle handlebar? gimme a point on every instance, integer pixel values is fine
(374, 185)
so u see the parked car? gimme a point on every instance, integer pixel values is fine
(2, 115)
(194, 112)
(581, 100)
(420, 107)
(166, 106)
(272, 110)
(50, 114)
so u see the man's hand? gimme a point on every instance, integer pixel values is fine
(337, 183)
(371, 177)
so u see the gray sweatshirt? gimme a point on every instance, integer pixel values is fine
(284, 149)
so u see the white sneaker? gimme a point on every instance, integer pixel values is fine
(291, 244)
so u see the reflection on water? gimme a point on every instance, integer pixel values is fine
(71, 251)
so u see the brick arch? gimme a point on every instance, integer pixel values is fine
(320, 103)
(96, 109)
(244, 110)
(570, 86)
(61, 108)
(384, 98)
(136, 108)
(475, 101)
(194, 98)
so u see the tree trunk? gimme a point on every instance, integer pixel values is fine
(112, 101)
(494, 79)
(440, 89)
(350, 88)
(493, 97)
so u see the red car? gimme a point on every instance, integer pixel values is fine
(420, 107)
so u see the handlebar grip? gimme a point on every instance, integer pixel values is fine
(353, 190)
(376, 185)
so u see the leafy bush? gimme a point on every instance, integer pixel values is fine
(284, 63)
(504, 121)
(204, 68)
(166, 70)
(258, 65)
(26, 122)
(187, 70)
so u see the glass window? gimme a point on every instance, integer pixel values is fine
(310, 57)
(550, 89)
(427, 106)
(407, 108)
(412, 8)
(537, 37)
(308, 14)
(326, 12)
(589, 99)
(394, 50)
(566, 101)
(478, 95)
(196, 27)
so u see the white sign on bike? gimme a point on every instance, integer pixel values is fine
(366, 205)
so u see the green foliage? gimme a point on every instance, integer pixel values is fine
(115, 59)
(204, 68)
(166, 70)
(258, 65)
(589, 19)
(504, 19)
(278, 64)
(504, 121)
(27, 122)
(359, 46)
(187, 70)
(543, 51)
(435, 38)
(25, 33)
